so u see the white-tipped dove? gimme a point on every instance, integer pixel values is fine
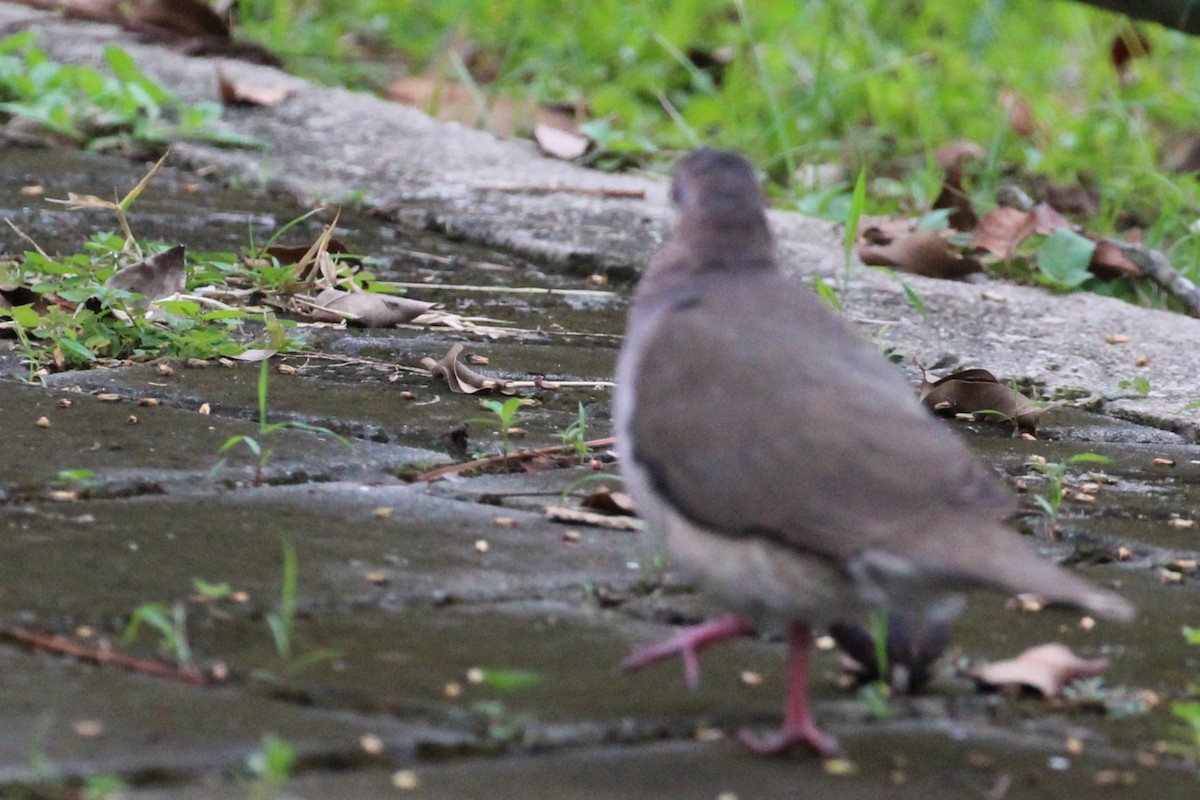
(787, 465)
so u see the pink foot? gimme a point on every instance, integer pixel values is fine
(799, 727)
(810, 736)
(687, 644)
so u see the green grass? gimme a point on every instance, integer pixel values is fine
(873, 84)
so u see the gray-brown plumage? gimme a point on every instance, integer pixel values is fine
(788, 466)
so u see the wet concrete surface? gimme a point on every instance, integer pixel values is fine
(411, 586)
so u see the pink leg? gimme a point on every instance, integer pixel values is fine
(799, 727)
(687, 644)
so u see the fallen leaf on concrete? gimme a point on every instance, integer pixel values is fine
(922, 253)
(243, 93)
(461, 378)
(158, 276)
(1002, 230)
(368, 309)
(1109, 262)
(595, 519)
(564, 144)
(975, 391)
(1047, 668)
(606, 501)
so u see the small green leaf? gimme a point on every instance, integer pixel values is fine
(1065, 256)
(510, 680)
(828, 294)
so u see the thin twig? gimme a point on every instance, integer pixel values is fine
(620, 194)
(103, 655)
(519, 457)
(462, 287)
(1158, 269)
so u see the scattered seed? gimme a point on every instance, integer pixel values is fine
(596, 279)
(1116, 338)
(1179, 522)
(1087, 623)
(981, 761)
(90, 728)
(33, 190)
(571, 537)
(505, 522)
(63, 402)
(707, 734)
(196, 363)
(840, 767)
(240, 597)
(383, 512)
(405, 780)
(482, 546)
(371, 744)
(1074, 745)
(1170, 576)
(84, 519)
(727, 796)
(1143, 759)
(227, 363)
(1036, 459)
(1080, 497)
(1124, 553)
(165, 369)
(147, 402)
(1026, 603)
(995, 297)
(407, 395)
(85, 632)
(475, 675)
(1090, 487)
(1184, 565)
(1151, 698)
(42, 422)
(825, 643)
(133, 419)
(205, 409)
(63, 496)
(452, 690)
(108, 397)
(219, 671)
(378, 578)
(1114, 777)
(287, 369)
(750, 678)
(481, 361)
(1143, 361)
(1163, 462)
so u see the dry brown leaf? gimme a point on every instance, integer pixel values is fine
(1128, 44)
(368, 309)
(1020, 113)
(606, 501)
(882, 230)
(159, 276)
(1048, 668)
(922, 253)
(1109, 262)
(461, 378)
(1047, 220)
(957, 153)
(954, 197)
(593, 518)
(563, 144)
(973, 391)
(1002, 230)
(242, 93)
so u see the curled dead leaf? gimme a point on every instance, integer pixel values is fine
(977, 391)
(161, 275)
(461, 378)
(563, 144)
(1047, 668)
(1020, 113)
(243, 93)
(606, 501)
(368, 309)
(1109, 262)
(922, 253)
(1002, 230)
